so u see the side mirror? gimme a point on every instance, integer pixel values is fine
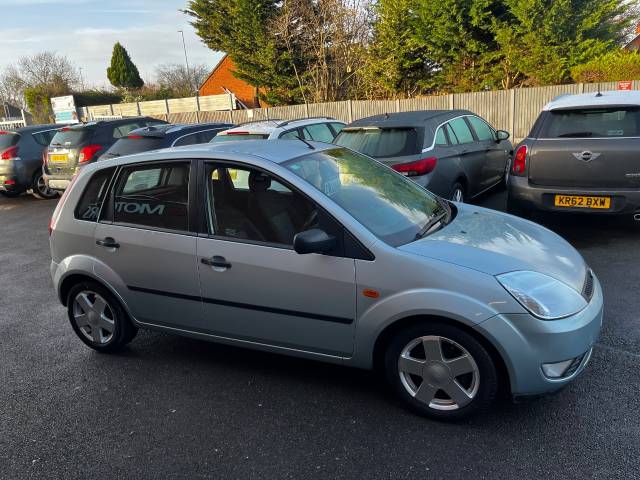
(502, 135)
(313, 241)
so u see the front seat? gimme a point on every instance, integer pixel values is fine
(271, 211)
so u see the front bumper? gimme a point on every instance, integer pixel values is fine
(526, 343)
(529, 197)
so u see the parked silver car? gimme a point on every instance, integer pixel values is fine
(316, 251)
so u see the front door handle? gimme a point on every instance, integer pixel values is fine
(217, 262)
(108, 242)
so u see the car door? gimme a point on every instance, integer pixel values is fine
(145, 237)
(471, 155)
(495, 155)
(255, 287)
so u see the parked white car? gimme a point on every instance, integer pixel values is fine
(319, 129)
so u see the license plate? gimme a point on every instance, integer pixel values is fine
(580, 201)
(58, 158)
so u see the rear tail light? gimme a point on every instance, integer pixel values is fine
(417, 168)
(87, 153)
(519, 166)
(10, 182)
(9, 153)
(56, 213)
(135, 137)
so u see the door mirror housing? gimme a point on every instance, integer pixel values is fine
(502, 135)
(313, 241)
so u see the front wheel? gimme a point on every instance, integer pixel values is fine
(440, 371)
(98, 318)
(39, 188)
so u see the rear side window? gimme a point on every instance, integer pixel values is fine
(483, 131)
(94, 194)
(155, 196)
(71, 136)
(461, 129)
(441, 137)
(291, 135)
(380, 142)
(586, 123)
(44, 138)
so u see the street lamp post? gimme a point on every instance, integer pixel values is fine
(186, 60)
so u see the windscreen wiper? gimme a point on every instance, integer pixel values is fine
(435, 221)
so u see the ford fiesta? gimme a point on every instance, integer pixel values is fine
(316, 251)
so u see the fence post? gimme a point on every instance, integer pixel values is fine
(581, 87)
(350, 111)
(110, 109)
(397, 105)
(231, 116)
(452, 101)
(138, 107)
(166, 107)
(197, 108)
(306, 109)
(512, 112)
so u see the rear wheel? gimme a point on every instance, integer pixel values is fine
(98, 318)
(40, 190)
(457, 193)
(440, 371)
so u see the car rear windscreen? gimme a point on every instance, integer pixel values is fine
(592, 123)
(128, 146)
(70, 136)
(380, 142)
(235, 137)
(8, 139)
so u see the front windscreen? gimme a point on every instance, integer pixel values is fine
(235, 137)
(392, 207)
(380, 142)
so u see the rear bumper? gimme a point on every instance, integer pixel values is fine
(57, 182)
(525, 196)
(12, 176)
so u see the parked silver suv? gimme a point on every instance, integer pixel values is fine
(317, 251)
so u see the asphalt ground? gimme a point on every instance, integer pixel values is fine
(172, 407)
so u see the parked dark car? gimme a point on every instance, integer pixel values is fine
(21, 160)
(77, 145)
(581, 156)
(453, 153)
(164, 136)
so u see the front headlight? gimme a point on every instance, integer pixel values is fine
(544, 296)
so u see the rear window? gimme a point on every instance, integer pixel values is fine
(242, 136)
(44, 138)
(203, 136)
(380, 142)
(71, 136)
(587, 123)
(128, 146)
(8, 139)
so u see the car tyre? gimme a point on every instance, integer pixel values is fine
(39, 188)
(6, 194)
(98, 318)
(458, 193)
(440, 371)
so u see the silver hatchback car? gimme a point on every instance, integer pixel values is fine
(316, 251)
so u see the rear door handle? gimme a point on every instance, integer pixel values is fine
(108, 242)
(217, 262)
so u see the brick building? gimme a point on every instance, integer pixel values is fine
(221, 80)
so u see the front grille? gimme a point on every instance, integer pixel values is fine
(587, 289)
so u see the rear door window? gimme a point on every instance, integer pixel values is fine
(462, 130)
(94, 194)
(483, 131)
(291, 135)
(592, 122)
(380, 142)
(452, 136)
(155, 196)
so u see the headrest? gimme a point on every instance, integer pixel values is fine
(259, 182)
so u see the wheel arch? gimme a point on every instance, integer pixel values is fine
(385, 336)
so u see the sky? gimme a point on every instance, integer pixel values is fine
(85, 30)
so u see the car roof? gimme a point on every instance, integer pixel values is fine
(276, 151)
(267, 127)
(37, 128)
(595, 99)
(408, 119)
(78, 126)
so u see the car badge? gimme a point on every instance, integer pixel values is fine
(586, 156)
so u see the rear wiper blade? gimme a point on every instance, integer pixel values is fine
(577, 134)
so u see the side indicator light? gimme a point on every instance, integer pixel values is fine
(371, 293)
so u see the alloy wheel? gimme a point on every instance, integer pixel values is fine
(42, 188)
(439, 372)
(94, 317)
(457, 195)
